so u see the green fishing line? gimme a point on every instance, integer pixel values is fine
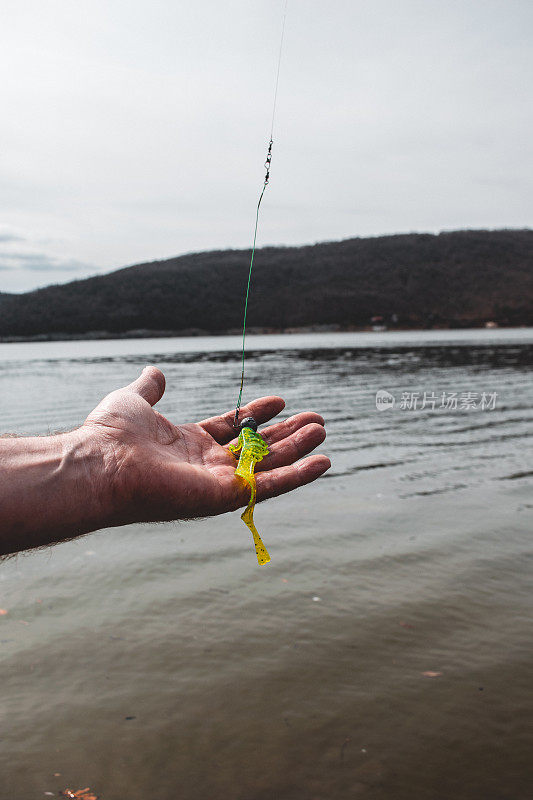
(237, 408)
(265, 184)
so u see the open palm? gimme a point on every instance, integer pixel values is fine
(161, 471)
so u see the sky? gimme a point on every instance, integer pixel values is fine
(136, 130)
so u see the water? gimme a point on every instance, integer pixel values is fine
(161, 662)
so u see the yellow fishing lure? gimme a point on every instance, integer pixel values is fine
(252, 448)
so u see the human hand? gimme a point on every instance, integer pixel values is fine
(155, 470)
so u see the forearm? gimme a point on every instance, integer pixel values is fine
(52, 488)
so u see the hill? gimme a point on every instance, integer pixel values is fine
(453, 279)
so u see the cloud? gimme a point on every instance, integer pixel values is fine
(40, 262)
(11, 237)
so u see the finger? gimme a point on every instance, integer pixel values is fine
(150, 384)
(293, 447)
(221, 428)
(285, 479)
(280, 430)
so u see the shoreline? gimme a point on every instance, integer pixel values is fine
(253, 331)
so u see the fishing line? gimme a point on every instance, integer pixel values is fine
(268, 161)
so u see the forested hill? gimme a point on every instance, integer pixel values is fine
(460, 278)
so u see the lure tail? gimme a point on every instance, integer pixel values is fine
(247, 517)
(260, 550)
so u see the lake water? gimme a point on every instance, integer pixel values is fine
(160, 662)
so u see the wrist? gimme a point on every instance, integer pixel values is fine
(53, 488)
(87, 473)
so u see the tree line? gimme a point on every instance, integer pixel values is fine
(458, 278)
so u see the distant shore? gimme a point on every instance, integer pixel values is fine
(453, 280)
(253, 331)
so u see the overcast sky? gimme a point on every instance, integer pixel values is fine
(133, 131)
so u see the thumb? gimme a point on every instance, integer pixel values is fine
(150, 385)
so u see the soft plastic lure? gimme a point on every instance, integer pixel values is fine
(252, 448)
